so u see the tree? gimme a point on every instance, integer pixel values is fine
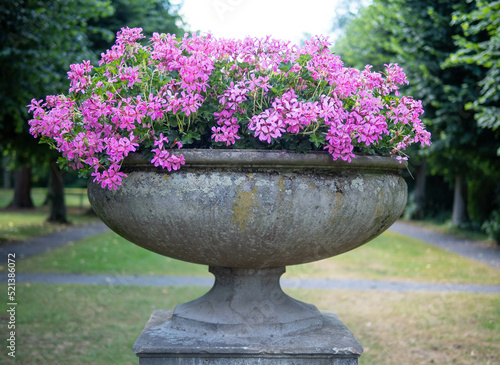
(419, 36)
(480, 45)
(38, 41)
(159, 16)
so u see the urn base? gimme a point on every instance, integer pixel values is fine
(243, 302)
(160, 343)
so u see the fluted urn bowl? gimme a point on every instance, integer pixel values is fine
(247, 214)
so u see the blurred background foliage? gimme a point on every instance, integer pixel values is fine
(449, 50)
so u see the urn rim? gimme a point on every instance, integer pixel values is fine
(273, 158)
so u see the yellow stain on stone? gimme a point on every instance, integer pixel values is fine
(244, 203)
(380, 206)
(337, 209)
(312, 185)
(281, 183)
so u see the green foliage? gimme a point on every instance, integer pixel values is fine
(38, 40)
(418, 36)
(492, 226)
(151, 15)
(365, 39)
(484, 206)
(483, 198)
(449, 50)
(480, 45)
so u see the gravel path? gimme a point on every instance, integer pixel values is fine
(39, 245)
(309, 283)
(473, 250)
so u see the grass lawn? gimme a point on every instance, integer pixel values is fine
(389, 257)
(18, 225)
(74, 197)
(85, 324)
(447, 227)
(392, 256)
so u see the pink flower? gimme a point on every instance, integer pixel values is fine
(160, 142)
(190, 103)
(35, 107)
(129, 35)
(267, 125)
(339, 143)
(130, 74)
(394, 77)
(156, 107)
(113, 54)
(226, 133)
(110, 178)
(93, 108)
(80, 80)
(118, 148)
(167, 160)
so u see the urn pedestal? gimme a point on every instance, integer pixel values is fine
(247, 215)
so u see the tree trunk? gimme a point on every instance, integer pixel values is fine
(6, 179)
(420, 190)
(459, 202)
(22, 189)
(55, 195)
(7, 174)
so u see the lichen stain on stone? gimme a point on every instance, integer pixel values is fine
(312, 185)
(303, 186)
(282, 188)
(358, 184)
(381, 203)
(337, 208)
(244, 203)
(281, 183)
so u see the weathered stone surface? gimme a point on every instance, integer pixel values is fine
(254, 209)
(244, 302)
(161, 344)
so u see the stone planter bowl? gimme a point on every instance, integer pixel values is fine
(253, 209)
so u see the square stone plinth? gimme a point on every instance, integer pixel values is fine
(160, 344)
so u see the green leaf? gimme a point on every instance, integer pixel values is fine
(189, 137)
(318, 140)
(286, 66)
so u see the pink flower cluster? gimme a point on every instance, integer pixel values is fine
(126, 37)
(80, 79)
(287, 114)
(145, 96)
(81, 146)
(165, 158)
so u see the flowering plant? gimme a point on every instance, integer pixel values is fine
(203, 92)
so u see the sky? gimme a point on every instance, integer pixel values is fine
(281, 19)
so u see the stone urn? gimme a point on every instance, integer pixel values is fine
(247, 214)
